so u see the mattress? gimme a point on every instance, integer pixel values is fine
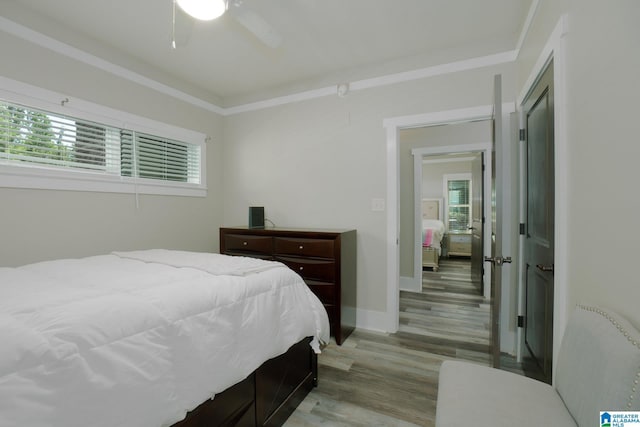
(141, 338)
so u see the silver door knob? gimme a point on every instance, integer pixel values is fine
(548, 268)
(498, 260)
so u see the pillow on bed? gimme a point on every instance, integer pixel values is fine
(434, 224)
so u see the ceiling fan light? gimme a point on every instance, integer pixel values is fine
(205, 10)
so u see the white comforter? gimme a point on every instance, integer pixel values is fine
(437, 228)
(140, 338)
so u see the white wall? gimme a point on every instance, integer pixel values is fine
(601, 173)
(319, 163)
(44, 224)
(433, 176)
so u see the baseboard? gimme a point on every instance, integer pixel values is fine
(377, 321)
(410, 284)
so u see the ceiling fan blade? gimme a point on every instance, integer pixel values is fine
(255, 24)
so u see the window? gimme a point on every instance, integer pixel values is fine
(37, 138)
(99, 150)
(458, 196)
(158, 158)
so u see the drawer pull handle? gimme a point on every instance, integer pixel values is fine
(244, 243)
(301, 247)
(301, 268)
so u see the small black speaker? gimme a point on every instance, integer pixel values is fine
(256, 217)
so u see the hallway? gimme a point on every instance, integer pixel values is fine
(450, 310)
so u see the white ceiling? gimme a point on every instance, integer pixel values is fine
(324, 41)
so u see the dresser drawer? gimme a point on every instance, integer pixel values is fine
(317, 248)
(332, 312)
(325, 291)
(314, 269)
(459, 244)
(324, 258)
(237, 243)
(460, 238)
(459, 247)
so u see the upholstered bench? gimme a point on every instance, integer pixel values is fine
(598, 369)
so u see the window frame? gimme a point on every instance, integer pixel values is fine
(445, 190)
(51, 178)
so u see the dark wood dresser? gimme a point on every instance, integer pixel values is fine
(325, 259)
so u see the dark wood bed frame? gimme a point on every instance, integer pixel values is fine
(266, 397)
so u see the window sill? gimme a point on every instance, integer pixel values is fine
(70, 180)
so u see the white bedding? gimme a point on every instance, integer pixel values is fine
(437, 228)
(138, 339)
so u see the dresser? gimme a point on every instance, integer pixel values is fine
(325, 259)
(459, 244)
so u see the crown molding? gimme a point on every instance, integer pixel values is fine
(67, 50)
(390, 79)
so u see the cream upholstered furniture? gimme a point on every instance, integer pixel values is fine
(598, 369)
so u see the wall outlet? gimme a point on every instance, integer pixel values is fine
(377, 205)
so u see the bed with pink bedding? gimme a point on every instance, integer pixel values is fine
(432, 235)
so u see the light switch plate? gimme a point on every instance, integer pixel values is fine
(377, 205)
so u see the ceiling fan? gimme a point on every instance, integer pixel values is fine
(207, 10)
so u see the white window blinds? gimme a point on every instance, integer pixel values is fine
(152, 157)
(459, 204)
(37, 138)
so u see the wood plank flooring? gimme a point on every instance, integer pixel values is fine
(378, 379)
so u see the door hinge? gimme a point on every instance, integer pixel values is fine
(522, 228)
(523, 135)
(520, 321)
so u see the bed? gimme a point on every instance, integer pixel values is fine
(156, 338)
(432, 233)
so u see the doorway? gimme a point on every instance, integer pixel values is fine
(393, 127)
(437, 170)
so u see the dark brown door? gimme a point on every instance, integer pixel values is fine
(477, 222)
(496, 239)
(539, 237)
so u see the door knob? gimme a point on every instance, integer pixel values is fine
(548, 268)
(498, 260)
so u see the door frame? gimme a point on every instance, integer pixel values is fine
(556, 49)
(418, 156)
(393, 127)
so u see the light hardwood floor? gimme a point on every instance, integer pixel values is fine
(377, 379)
